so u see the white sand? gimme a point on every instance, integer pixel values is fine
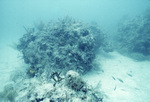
(123, 79)
(10, 62)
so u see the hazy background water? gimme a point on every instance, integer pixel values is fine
(14, 14)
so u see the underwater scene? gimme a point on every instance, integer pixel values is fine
(74, 50)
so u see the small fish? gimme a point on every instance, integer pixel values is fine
(31, 71)
(120, 80)
(129, 74)
(123, 89)
(114, 78)
(115, 88)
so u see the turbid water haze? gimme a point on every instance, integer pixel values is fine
(18, 13)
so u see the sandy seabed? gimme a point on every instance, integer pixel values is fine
(121, 79)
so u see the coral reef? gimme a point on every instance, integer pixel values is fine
(72, 88)
(64, 45)
(74, 81)
(134, 36)
(57, 53)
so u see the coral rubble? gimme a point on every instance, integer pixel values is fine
(72, 88)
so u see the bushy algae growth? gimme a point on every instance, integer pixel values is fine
(134, 36)
(64, 45)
